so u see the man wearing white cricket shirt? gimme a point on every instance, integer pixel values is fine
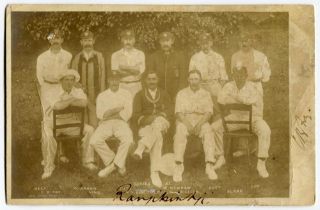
(51, 64)
(57, 99)
(114, 109)
(211, 66)
(129, 62)
(193, 110)
(242, 91)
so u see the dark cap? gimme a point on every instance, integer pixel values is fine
(205, 38)
(127, 34)
(165, 36)
(87, 35)
(56, 33)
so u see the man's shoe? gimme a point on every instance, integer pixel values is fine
(262, 170)
(64, 159)
(212, 175)
(155, 179)
(178, 171)
(220, 162)
(107, 170)
(90, 166)
(138, 152)
(122, 171)
(47, 173)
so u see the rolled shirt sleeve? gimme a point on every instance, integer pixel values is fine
(222, 69)
(100, 107)
(266, 71)
(39, 68)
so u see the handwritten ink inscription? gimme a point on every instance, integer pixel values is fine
(301, 132)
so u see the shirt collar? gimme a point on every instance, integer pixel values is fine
(209, 53)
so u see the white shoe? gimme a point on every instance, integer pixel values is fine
(138, 152)
(90, 166)
(212, 175)
(64, 159)
(122, 171)
(47, 173)
(155, 179)
(177, 174)
(262, 170)
(107, 170)
(220, 162)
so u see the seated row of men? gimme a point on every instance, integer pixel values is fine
(154, 112)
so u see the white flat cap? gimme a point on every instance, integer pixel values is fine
(70, 72)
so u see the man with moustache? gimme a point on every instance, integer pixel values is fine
(129, 62)
(51, 64)
(243, 91)
(152, 111)
(114, 109)
(66, 94)
(169, 65)
(258, 69)
(193, 110)
(211, 65)
(91, 67)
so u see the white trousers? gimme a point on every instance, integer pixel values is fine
(152, 139)
(133, 88)
(259, 127)
(49, 144)
(106, 129)
(180, 140)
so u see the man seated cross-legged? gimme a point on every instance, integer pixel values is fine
(152, 110)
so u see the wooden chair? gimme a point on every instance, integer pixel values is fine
(230, 136)
(66, 138)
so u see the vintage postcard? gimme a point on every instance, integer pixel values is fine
(160, 105)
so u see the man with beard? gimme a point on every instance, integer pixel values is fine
(242, 91)
(152, 111)
(51, 64)
(129, 62)
(258, 69)
(169, 65)
(211, 65)
(60, 98)
(91, 67)
(114, 109)
(193, 110)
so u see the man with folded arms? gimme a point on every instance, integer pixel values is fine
(114, 109)
(129, 62)
(193, 110)
(242, 91)
(152, 112)
(57, 99)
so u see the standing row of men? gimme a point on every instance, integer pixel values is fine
(152, 106)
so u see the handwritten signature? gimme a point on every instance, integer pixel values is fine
(300, 134)
(123, 194)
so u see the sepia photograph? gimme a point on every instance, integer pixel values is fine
(173, 106)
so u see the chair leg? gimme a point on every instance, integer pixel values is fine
(58, 153)
(79, 151)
